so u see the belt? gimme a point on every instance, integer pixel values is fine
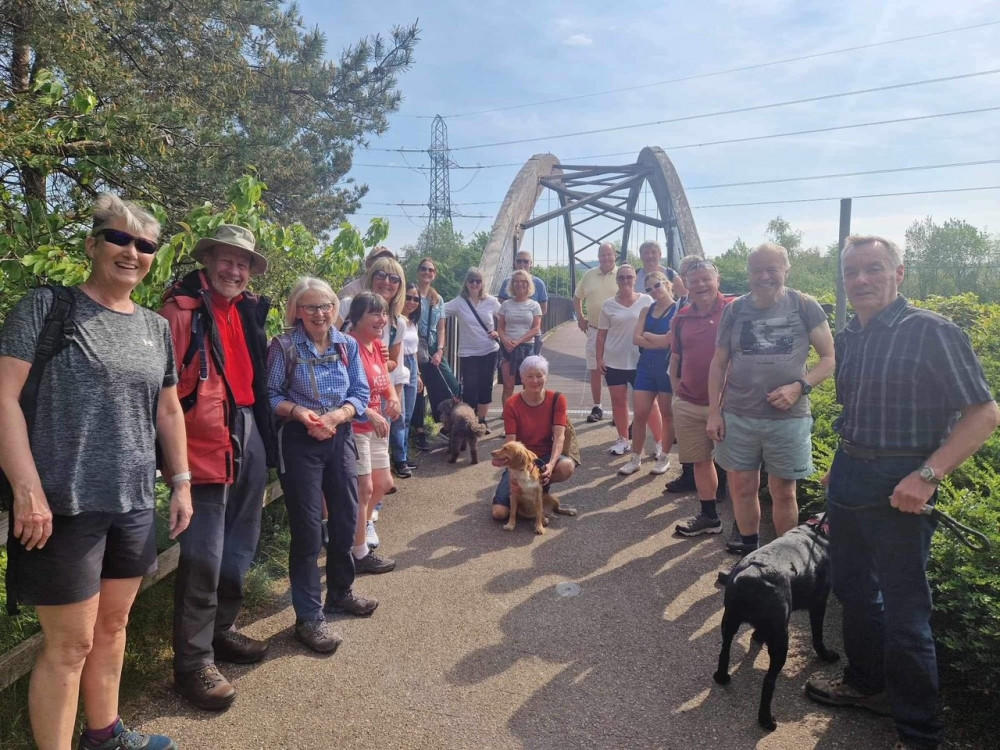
(869, 453)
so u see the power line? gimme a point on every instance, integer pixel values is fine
(700, 76)
(703, 115)
(839, 197)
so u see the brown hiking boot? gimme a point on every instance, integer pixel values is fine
(237, 648)
(351, 604)
(205, 688)
(833, 691)
(316, 635)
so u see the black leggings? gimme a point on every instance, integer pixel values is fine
(477, 379)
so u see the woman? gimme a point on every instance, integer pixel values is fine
(316, 385)
(477, 341)
(400, 430)
(368, 317)
(83, 509)
(651, 391)
(617, 355)
(434, 369)
(537, 418)
(520, 321)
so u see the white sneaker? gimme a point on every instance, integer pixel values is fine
(662, 464)
(621, 447)
(371, 538)
(631, 466)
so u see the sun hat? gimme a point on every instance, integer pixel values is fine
(232, 235)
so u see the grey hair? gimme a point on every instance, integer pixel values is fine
(109, 207)
(303, 285)
(891, 248)
(534, 362)
(771, 247)
(651, 243)
(686, 262)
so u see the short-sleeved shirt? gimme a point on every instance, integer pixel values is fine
(518, 317)
(904, 377)
(768, 348)
(94, 433)
(533, 424)
(693, 349)
(378, 377)
(473, 340)
(593, 289)
(620, 351)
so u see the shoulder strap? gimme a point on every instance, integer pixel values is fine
(676, 349)
(474, 312)
(57, 331)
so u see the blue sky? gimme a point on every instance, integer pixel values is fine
(483, 55)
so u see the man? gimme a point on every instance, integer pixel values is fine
(650, 253)
(523, 262)
(915, 405)
(758, 391)
(218, 332)
(695, 327)
(597, 285)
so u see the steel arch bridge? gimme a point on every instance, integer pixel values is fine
(586, 193)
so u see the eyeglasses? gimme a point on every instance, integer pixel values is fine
(524, 261)
(625, 278)
(473, 281)
(122, 239)
(313, 309)
(414, 300)
(427, 269)
(382, 276)
(657, 285)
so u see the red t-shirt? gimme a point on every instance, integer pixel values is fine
(533, 424)
(239, 370)
(697, 345)
(379, 382)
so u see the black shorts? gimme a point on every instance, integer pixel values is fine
(614, 376)
(82, 550)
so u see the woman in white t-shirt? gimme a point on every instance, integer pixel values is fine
(520, 319)
(477, 341)
(617, 354)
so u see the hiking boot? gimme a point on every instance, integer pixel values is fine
(237, 648)
(631, 466)
(351, 604)
(205, 688)
(317, 635)
(128, 739)
(662, 464)
(371, 538)
(620, 448)
(372, 563)
(700, 524)
(683, 483)
(421, 442)
(596, 415)
(833, 691)
(735, 545)
(402, 471)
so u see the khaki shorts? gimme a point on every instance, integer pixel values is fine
(591, 348)
(373, 452)
(693, 442)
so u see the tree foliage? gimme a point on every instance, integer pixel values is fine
(452, 255)
(951, 258)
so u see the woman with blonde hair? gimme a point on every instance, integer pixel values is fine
(520, 321)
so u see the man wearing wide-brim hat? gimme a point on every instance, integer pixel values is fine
(221, 348)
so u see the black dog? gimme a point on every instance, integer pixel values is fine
(790, 573)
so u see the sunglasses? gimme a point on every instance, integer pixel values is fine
(624, 278)
(122, 239)
(657, 285)
(522, 261)
(474, 281)
(414, 300)
(313, 309)
(427, 269)
(382, 276)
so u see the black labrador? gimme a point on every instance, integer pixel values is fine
(765, 587)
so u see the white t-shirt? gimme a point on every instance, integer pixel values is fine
(619, 321)
(518, 317)
(411, 338)
(473, 341)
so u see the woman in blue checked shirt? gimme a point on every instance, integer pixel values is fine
(317, 385)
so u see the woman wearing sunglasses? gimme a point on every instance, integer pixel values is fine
(84, 508)
(651, 391)
(477, 341)
(520, 320)
(399, 436)
(434, 368)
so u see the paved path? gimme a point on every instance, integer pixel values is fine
(472, 647)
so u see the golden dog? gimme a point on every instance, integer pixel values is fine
(528, 499)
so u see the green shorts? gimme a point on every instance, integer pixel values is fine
(783, 446)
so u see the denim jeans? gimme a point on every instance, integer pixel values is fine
(879, 562)
(399, 433)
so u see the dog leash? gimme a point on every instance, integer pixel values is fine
(975, 540)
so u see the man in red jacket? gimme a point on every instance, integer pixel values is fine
(218, 332)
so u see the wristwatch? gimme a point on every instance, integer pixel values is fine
(806, 388)
(928, 475)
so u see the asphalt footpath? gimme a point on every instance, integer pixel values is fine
(601, 633)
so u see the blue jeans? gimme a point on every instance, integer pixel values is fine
(879, 562)
(399, 432)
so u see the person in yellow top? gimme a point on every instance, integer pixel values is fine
(597, 285)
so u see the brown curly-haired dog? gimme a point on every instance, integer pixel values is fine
(459, 421)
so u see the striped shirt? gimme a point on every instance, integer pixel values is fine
(321, 381)
(904, 377)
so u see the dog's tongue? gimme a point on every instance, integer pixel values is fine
(498, 462)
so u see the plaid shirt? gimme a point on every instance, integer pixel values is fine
(904, 377)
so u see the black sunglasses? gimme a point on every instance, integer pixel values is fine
(382, 276)
(427, 269)
(657, 285)
(415, 300)
(474, 281)
(122, 239)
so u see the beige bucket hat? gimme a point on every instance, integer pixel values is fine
(234, 236)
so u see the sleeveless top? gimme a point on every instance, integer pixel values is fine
(656, 359)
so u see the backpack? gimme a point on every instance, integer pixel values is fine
(571, 444)
(293, 360)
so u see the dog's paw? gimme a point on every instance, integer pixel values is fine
(721, 677)
(767, 721)
(827, 654)
(508, 527)
(569, 511)
(539, 529)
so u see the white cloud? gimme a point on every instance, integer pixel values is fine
(578, 40)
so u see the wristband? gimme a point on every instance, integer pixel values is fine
(184, 476)
(291, 414)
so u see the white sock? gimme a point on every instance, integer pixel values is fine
(598, 406)
(360, 551)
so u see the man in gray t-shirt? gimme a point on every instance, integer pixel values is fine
(758, 392)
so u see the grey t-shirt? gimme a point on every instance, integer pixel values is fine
(94, 433)
(768, 348)
(518, 316)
